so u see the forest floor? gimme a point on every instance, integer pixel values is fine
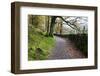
(65, 49)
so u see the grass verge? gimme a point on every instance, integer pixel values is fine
(39, 45)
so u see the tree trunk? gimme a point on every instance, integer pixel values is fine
(53, 18)
(61, 28)
(47, 25)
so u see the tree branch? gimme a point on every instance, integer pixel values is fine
(69, 24)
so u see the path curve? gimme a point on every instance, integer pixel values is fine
(64, 49)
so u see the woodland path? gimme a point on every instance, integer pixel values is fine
(64, 49)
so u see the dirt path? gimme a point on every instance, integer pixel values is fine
(64, 49)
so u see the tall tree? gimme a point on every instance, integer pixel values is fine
(53, 18)
(47, 25)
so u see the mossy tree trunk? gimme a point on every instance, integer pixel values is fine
(47, 25)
